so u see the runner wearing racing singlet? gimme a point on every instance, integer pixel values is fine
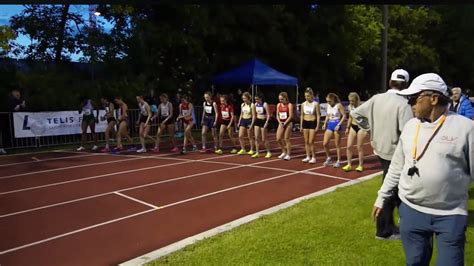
(335, 116)
(144, 119)
(246, 124)
(261, 116)
(209, 120)
(309, 124)
(166, 119)
(88, 121)
(123, 124)
(111, 121)
(354, 132)
(285, 124)
(226, 124)
(186, 110)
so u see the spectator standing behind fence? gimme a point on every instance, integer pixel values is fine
(461, 103)
(16, 103)
(386, 114)
(432, 166)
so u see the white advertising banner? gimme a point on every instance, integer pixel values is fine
(40, 124)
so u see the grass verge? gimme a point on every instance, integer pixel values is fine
(333, 229)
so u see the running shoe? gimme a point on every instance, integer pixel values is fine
(251, 152)
(233, 151)
(360, 168)
(195, 148)
(105, 150)
(3, 151)
(287, 157)
(337, 164)
(219, 151)
(142, 150)
(175, 149)
(347, 168)
(327, 162)
(282, 155)
(155, 150)
(305, 160)
(183, 151)
(255, 155)
(81, 148)
(94, 148)
(203, 150)
(312, 161)
(242, 151)
(268, 155)
(132, 148)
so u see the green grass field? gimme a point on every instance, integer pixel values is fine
(333, 229)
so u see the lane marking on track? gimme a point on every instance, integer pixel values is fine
(147, 211)
(135, 187)
(158, 253)
(69, 167)
(35, 159)
(137, 200)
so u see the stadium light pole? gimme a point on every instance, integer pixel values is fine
(384, 46)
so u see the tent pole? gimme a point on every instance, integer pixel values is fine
(252, 91)
(296, 94)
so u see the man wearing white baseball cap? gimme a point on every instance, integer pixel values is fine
(384, 115)
(432, 167)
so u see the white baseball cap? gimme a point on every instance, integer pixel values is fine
(426, 82)
(400, 75)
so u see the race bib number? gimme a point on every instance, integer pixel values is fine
(208, 109)
(246, 110)
(165, 111)
(87, 111)
(308, 110)
(260, 109)
(283, 115)
(225, 114)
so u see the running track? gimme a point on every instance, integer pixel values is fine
(71, 208)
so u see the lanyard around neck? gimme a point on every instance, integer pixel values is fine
(415, 140)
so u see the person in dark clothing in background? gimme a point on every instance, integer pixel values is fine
(16, 103)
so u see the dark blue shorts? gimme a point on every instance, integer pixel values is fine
(209, 122)
(245, 123)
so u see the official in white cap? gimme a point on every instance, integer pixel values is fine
(432, 167)
(384, 115)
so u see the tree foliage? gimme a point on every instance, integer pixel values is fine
(169, 47)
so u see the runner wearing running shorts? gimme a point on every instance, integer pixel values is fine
(261, 116)
(285, 124)
(309, 124)
(123, 124)
(246, 124)
(88, 121)
(167, 123)
(209, 120)
(111, 121)
(335, 116)
(144, 119)
(226, 124)
(354, 132)
(186, 115)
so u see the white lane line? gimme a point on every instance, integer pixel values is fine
(74, 232)
(151, 256)
(144, 212)
(127, 189)
(48, 159)
(137, 200)
(68, 167)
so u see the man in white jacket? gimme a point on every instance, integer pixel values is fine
(432, 167)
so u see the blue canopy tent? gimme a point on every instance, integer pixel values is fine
(255, 73)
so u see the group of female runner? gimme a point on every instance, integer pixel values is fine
(218, 118)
